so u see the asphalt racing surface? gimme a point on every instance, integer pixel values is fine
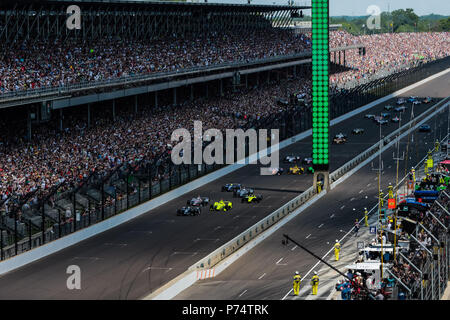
(265, 272)
(134, 259)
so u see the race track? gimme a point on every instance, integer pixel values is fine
(136, 258)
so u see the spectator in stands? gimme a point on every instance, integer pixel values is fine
(386, 53)
(31, 65)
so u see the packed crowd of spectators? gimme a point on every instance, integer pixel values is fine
(30, 65)
(54, 157)
(386, 53)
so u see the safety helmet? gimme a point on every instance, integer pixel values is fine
(365, 208)
(337, 240)
(296, 272)
(315, 272)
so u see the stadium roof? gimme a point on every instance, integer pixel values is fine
(263, 7)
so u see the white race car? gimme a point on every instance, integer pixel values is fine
(291, 159)
(400, 101)
(198, 201)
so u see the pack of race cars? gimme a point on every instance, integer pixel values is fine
(400, 107)
(194, 206)
(298, 164)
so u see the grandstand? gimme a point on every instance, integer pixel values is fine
(63, 92)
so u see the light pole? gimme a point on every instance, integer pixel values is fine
(398, 159)
(448, 129)
(380, 169)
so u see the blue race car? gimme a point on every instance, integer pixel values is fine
(231, 187)
(424, 128)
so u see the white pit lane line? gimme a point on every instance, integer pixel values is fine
(242, 293)
(280, 264)
(187, 253)
(199, 239)
(157, 268)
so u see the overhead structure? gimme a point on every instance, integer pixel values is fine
(134, 20)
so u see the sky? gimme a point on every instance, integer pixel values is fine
(359, 7)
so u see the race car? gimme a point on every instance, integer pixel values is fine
(291, 159)
(189, 211)
(198, 201)
(385, 115)
(231, 187)
(340, 138)
(395, 119)
(242, 192)
(424, 128)
(221, 206)
(445, 146)
(358, 131)
(369, 116)
(389, 107)
(400, 101)
(400, 109)
(307, 161)
(412, 99)
(416, 102)
(276, 171)
(380, 120)
(296, 170)
(252, 198)
(341, 135)
(427, 100)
